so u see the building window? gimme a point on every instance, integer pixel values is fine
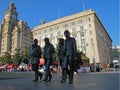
(89, 19)
(51, 35)
(39, 32)
(81, 21)
(51, 29)
(45, 36)
(74, 29)
(91, 39)
(90, 32)
(73, 23)
(58, 33)
(66, 25)
(45, 31)
(54, 28)
(57, 27)
(83, 41)
(89, 25)
(75, 36)
(81, 28)
(82, 34)
(35, 34)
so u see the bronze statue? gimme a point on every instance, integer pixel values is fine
(70, 50)
(61, 57)
(48, 56)
(35, 55)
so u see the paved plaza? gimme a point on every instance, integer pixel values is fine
(82, 81)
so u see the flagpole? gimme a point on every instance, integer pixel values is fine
(59, 13)
(83, 5)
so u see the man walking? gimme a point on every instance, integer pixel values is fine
(48, 56)
(35, 55)
(61, 57)
(70, 50)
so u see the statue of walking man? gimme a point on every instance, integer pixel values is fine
(48, 56)
(70, 50)
(35, 55)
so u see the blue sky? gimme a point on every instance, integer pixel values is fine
(31, 11)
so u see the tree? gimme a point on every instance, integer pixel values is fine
(55, 55)
(17, 56)
(6, 59)
(26, 56)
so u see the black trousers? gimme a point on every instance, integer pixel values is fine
(68, 67)
(63, 71)
(35, 69)
(47, 70)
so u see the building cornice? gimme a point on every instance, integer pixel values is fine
(64, 19)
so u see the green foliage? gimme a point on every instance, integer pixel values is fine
(17, 56)
(6, 59)
(26, 55)
(55, 56)
(21, 56)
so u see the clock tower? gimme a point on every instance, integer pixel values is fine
(14, 33)
(8, 23)
(11, 16)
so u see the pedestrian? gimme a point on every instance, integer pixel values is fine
(70, 50)
(48, 57)
(61, 56)
(35, 55)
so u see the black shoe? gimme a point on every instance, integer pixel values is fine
(70, 82)
(50, 78)
(41, 77)
(62, 81)
(35, 81)
(45, 79)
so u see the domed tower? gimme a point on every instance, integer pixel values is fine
(8, 23)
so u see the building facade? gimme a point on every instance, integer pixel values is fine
(90, 34)
(14, 33)
(116, 54)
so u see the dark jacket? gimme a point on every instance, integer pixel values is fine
(61, 50)
(70, 47)
(48, 51)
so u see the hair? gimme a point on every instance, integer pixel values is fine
(61, 40)
(66, 32)
(36, 41)
(46, 39)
